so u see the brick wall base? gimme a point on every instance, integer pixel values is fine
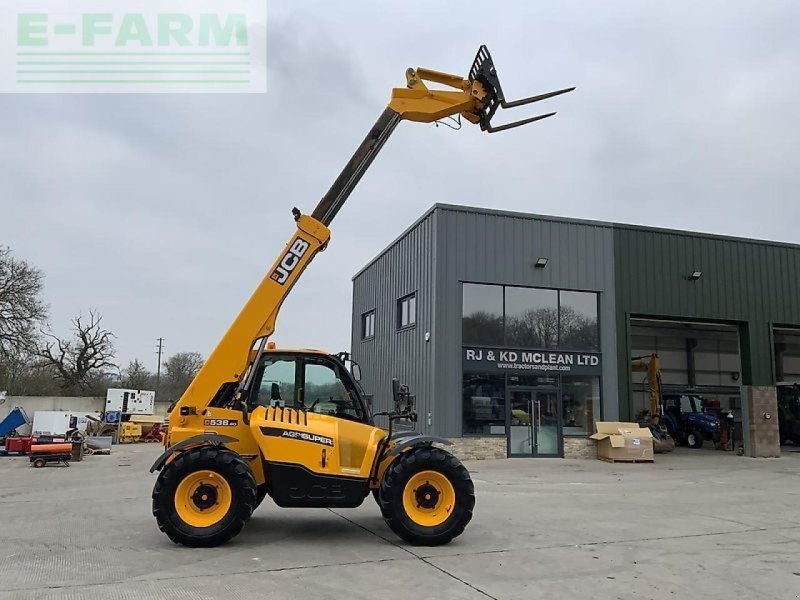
(579, 447)
(484, 448)
(762, 434)
(478, 448)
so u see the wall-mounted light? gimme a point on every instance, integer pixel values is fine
(541, 262)
(696, 275)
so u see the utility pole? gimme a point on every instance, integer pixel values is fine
(159, 351)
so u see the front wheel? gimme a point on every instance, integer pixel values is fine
(427, 496)
(204, 497)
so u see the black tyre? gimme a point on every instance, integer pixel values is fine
(204, 497)
(261, 493)
(695, 439)
(426, 496)
(39, 463)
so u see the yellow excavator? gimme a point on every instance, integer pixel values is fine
(293, 424)
(651, 365)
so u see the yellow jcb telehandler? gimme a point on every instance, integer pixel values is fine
(293, 424)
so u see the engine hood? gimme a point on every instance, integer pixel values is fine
(703, 419)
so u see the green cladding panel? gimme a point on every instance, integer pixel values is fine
(752, 284)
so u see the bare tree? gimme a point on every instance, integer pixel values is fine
(21, 309)
(179, 371)
(80, 361)
(536, 328)
(136, 376)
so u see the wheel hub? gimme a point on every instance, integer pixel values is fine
(205, 496)
(427, 496)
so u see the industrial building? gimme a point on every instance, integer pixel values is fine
(517, 332)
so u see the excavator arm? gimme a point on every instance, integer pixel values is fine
(228, 370)
(653, 369)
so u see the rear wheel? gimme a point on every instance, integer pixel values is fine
(427, 496)
(39, 463)
(204, 497)
(695, 439)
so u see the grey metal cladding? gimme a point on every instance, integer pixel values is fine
(406, 266)
(477, 245)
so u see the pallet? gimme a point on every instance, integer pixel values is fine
(626, 460)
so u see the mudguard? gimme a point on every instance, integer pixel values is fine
(196, 440)
(407, 439)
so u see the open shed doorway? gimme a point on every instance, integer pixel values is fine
(787, 376)
(700, 367)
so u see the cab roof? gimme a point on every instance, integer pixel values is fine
(279, 350)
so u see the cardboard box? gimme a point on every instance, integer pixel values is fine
(623, 441)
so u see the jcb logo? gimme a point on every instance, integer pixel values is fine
(290, 260)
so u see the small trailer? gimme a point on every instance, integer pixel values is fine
(42, 454)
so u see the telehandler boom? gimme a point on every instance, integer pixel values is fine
(260, 421)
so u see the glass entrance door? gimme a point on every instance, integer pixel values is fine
(534, 428)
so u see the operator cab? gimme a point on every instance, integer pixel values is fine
(308, 380)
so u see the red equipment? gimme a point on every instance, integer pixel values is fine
(156, 434)
(19, 445)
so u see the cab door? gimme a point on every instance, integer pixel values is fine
(319, 448)
(329, 397)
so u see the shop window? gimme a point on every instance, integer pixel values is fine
(407, 311)
(579, 397)
(531, 317)
(368, 325)
(484, 404)
(578, 321)
(482, 316)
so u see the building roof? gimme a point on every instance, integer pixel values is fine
(555, 219)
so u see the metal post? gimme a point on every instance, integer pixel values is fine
(158, 368)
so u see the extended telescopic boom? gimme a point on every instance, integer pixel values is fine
(476, 99)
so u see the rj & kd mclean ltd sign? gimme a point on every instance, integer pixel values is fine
(533, 361)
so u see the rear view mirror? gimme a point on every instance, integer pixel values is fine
(355, 370)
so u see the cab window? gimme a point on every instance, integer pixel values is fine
(324, 393)
(275, 385)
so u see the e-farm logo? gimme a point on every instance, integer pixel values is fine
(131, 46)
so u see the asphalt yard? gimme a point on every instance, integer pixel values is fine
(696, 524)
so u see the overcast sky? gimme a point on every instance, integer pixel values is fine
(163, 212)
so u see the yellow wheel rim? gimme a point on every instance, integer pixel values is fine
(429, 498)
(203, 498)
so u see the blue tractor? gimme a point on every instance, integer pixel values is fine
(688, 422)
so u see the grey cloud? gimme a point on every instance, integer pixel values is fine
(164, 211)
